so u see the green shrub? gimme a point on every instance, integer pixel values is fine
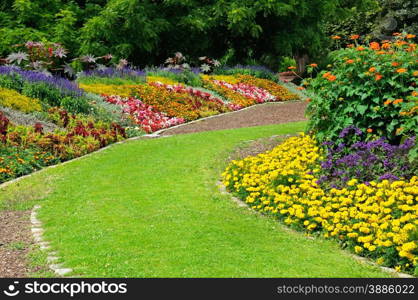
(13, 82)
(40, 90)
(76, 105)
(372, 87)
(256, 71)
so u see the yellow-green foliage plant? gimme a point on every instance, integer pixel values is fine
(12, 99)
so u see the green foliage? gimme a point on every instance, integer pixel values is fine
(76, 105)
(185, 76)
(285, 63)
(146, 32)
(43, 91)
(256, 71)
(372, 89)
(377, 20)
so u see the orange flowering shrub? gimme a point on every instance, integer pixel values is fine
(373, 87)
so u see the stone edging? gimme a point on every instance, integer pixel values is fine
(361, 259)
(37, 233)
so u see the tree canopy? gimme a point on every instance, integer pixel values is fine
(148, 31)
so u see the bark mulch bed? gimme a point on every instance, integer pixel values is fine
(265, 114)
(15, 243)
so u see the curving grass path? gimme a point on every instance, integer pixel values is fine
(151, 208)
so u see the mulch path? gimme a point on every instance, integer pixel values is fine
(264, 114)
(15, 242)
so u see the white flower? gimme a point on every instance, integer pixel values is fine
(205, 68)
(88, 58)
(17, 57)
(216, 63)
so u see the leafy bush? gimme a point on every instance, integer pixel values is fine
(370, 87)
(76, 105)
(256, 71)
(41, 90)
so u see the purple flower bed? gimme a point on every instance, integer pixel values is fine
(112, 72)
(365, 161)
(66, 87)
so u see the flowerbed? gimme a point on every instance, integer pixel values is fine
(376, 219)
(12, 99)
(143, 114)
(25, 149)
(246, 90)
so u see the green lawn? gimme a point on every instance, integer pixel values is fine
(151, 208)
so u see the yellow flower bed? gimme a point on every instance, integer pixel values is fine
(106, 89)
(227, 78)
(379, 221)
(161, 79)
(12, 99)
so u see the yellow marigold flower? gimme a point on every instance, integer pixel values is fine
(358, 249)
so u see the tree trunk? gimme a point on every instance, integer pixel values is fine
(301, 61)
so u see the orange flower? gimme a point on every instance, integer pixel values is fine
(375, 45)
(354, 37)
(415, 73)
(385, 45)
(329, 76)
(381, 52)
(369, 130)
(399, 130)
(350, 61)
(397, 101)
(336, 37)
(291, 68)
(350, 46)
(400, 43)
(313, 65)
(401, 70)
(332, 78)
(360, 48)
(372, 69)
(396, 34)
(387, 102)
(377, 77)
(410, 36)
(300, 88)
(395, 64)
(414, 94)
(308, 99)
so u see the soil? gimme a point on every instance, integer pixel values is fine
(265, 114)
(15, 243)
